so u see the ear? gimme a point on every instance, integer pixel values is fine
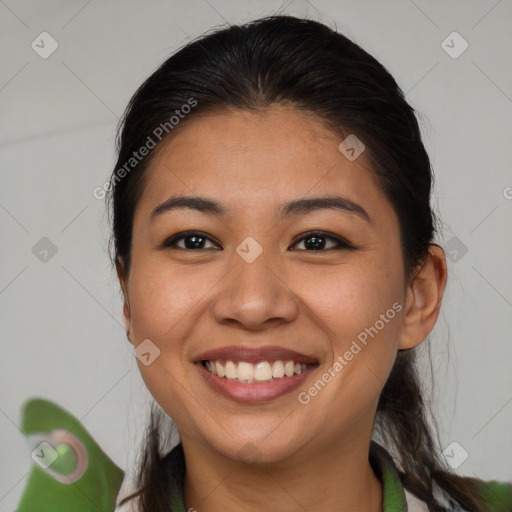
(424, 297)
(123, 281)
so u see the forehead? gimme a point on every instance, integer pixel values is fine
(256, 160)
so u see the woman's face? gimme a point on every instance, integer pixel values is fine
(254, 287)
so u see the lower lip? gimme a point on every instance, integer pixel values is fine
(256, 392)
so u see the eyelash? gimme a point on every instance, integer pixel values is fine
(170, 243)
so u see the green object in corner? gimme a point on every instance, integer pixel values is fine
(69, 471)
(497, 495)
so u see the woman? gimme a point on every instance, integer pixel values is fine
(273, 238)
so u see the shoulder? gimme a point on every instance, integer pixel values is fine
(174, 462)
(497, 495)
(127, 488)
(414, 504)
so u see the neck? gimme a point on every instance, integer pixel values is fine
(314, 479)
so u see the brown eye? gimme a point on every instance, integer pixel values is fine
(193, 240)
(316, 241)
(313, 241)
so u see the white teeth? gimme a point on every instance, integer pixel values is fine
(231, 372)
(245, 372)
(263, 371)
(220, 369)
(278, 370)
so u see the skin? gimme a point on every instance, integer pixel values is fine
(310, 456)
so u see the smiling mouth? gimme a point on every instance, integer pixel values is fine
(260, 372)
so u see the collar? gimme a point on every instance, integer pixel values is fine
(394, 499)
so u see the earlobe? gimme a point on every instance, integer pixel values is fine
(424, 298)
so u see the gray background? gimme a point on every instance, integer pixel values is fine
(62, 332)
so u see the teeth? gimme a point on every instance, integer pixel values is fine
(278, 370)
(245, 372)
(263, 371)
(221, 372)
(231, 372)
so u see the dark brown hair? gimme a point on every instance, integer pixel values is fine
(299, 62)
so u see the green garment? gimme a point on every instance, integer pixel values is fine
(70, 472)
(498, 496)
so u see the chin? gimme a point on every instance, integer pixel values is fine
(255, 450)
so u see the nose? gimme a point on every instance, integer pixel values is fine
(255, 295)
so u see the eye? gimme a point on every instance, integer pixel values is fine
(316, 240)
(193, 240)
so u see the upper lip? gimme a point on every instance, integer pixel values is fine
(255, 354)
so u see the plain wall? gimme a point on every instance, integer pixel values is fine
(61, 321)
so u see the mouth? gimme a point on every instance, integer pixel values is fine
(249, 373)
(254, 375)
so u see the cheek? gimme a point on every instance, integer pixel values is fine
(164, 306)
(166, 382)
(351, 298)
(360, 309)
(163, 299)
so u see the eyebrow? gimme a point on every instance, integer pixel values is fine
(296, 207)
